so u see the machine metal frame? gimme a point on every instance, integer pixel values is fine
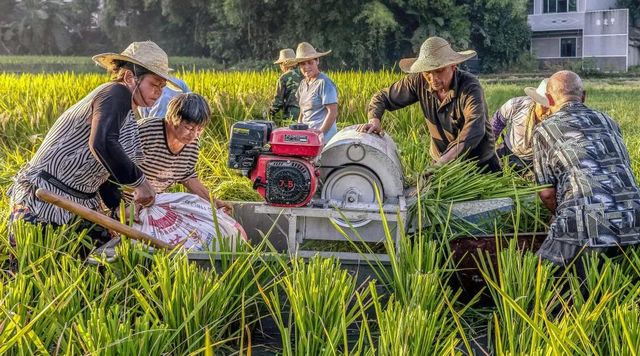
(311, 223)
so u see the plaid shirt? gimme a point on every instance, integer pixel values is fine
(581, 153)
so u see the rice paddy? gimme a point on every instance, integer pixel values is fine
(160, 303)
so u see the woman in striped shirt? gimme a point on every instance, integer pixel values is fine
(95, 139)
(171, 148)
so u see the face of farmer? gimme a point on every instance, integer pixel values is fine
(185, 132)
(310, 68)
(147, 89)
(440, 79)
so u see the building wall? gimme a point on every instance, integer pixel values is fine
(549, 47)
(634, 56)
(592, 5)
(556, 21)
(602, 36)
(606, 38)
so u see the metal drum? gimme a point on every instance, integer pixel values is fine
(354, 163)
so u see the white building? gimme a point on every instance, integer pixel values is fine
(592, 30)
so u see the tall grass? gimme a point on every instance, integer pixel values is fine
(324, 303)
(159, 303)
(141, 303)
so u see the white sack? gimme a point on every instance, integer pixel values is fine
(188, 220)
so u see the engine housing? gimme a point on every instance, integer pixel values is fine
(283, 169)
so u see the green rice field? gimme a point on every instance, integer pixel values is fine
(155, 303)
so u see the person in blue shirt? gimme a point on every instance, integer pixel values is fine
(159, 109)
(317, 95)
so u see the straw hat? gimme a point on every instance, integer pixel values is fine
(305, 52)
(286, 55)
(538, 94)
(146, 54)
(435, 53)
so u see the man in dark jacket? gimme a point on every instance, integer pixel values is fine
(452, 102)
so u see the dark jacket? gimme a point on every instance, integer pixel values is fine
(457, 125)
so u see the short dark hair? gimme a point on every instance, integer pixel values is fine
(189, 107)
(119, 68)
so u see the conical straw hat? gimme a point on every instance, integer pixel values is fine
(146, 54)
(306, 51)
(435, 53)
(286, 55)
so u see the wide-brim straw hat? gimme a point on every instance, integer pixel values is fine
(435, 53)
(286, 56)
(305, 51)
(538, 94)
(146, 54)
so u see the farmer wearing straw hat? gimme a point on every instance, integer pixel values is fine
(317, 95)
(95, 140)
(452, 102)
(515, 121)
(285, 98)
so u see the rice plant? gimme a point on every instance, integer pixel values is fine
(324, 303)
(146, 302)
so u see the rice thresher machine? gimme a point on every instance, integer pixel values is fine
(338, 191)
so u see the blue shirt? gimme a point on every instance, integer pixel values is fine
(313, 96)
(159, 108)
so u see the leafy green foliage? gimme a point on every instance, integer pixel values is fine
(362, 33)
(500, 32)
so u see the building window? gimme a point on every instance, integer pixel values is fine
(551, 6)
(568, 47)
(562, 5)
(530, 7)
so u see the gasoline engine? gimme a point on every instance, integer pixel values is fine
(281, 162)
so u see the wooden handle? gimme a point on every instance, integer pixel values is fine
(99, 219)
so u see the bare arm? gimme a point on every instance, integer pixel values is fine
(330, 119)
(195, 186)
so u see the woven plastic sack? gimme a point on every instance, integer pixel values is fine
(188, 220)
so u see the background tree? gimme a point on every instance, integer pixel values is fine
(499, 31)
(634, 10)
(363, 34)
(45, 27)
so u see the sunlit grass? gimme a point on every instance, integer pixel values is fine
(146, 303)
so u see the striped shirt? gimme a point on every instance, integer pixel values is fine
(80, 160)
(162, 167)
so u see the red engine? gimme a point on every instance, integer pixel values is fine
(282, 169)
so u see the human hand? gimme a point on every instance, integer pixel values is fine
(373, 126)
(428, 172)
(132, 213)
(144, 195)
(227, 207)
